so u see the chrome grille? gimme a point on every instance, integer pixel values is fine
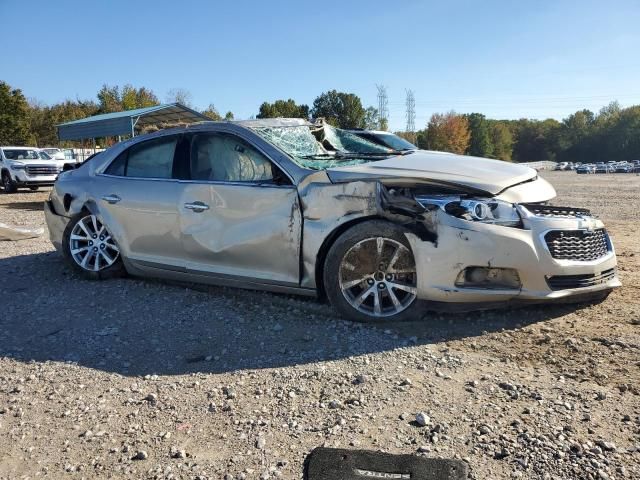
(578, 245)
(540, 210)
(562, 282)
(42, 170)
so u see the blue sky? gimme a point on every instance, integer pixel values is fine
(506, 59)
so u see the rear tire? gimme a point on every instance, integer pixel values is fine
(8, 184)
(34, 188)
(90, 250)
(370, 274)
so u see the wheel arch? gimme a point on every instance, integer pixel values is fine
(328, 242)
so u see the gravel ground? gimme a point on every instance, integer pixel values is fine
(144, 379)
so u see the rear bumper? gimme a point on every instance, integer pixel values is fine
(461, 244)
(56, 225)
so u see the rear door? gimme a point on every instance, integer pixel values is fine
(138, 196)
(239, 213)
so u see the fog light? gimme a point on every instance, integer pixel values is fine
(485, 277)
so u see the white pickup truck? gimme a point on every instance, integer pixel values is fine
(27, 167)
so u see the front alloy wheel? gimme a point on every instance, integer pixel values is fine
(370, 274)
(91, 245)
(378, 277)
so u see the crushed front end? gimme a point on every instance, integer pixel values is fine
(490, 250)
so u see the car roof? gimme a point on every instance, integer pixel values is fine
(273, 122)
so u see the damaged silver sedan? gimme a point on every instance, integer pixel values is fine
(290, 206)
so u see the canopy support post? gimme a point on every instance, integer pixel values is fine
(133, 125)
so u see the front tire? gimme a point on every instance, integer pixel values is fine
(90, 249)
(370, 274)
(8, 184)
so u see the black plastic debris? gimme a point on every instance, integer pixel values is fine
(339, 464)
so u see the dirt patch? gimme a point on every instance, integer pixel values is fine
(143, 379)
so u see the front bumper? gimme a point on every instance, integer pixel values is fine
(461, 244)
(56, 225)
(22, 178)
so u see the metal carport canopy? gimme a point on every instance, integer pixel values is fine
(124, 123)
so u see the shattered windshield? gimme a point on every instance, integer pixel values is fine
(393, 141)
(322, 146)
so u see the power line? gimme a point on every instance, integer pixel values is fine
(383, 107)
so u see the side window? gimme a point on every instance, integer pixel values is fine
(223, 157)
(151, 159)
(117, 166)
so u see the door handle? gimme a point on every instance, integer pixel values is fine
(196, 206)
(111, 199)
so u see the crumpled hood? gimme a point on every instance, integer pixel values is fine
(492, 176)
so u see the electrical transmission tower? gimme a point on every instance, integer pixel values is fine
(411, 112)
(383, 107)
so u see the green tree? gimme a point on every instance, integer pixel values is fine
(283, 109)
(536, 140)
(575, 136)
(44, 118)
(212, 113)
(422, 140)
(621, 140)
(132, 98)
(15, 119)
(339, 109)
(110, 99)
(371, 119)
(501, 139)
(228, 115)
(448, 132)
(608, 114)
(480, 144)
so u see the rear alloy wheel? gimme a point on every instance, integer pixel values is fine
(373, 272)
(91, 249)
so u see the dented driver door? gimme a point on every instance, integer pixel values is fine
(237, 223)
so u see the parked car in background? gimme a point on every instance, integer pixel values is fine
(27, 167)
(290, 206)
(56, 153)
(78, 164)
(386, 139)
(586, 168)
(624, 167)
(69, 154)
(603, 168)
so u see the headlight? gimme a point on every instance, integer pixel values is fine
(477, 209)
(17, 165)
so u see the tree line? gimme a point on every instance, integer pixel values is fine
(613, 133)
(31, 122)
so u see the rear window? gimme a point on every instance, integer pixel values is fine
(151, 159)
